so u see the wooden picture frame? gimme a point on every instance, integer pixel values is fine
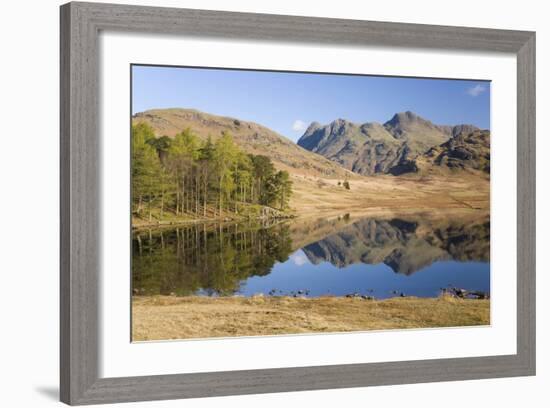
(81, 24)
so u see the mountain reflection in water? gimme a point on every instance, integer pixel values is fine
(339, 256)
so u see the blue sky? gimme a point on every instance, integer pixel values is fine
(289, 102)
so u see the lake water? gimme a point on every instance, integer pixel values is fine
(338, 256)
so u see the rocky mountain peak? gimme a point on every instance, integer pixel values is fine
(406, 116)
(312, 127)
(340, 125)
(404, 120)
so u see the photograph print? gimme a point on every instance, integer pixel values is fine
(284, 203)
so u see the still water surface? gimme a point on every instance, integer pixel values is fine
(341, 256)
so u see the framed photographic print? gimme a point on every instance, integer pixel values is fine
(261, 203)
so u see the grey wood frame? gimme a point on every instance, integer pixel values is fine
(80, 190)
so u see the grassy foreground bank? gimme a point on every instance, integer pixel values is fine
(168, 317)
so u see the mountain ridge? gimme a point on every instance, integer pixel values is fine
(340, 149)
(373, 147)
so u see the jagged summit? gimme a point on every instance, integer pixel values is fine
(404, 117)
(372, 147)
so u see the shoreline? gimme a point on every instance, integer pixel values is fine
(428, 214)
(372, 196)
(218, 220)
(170, 317)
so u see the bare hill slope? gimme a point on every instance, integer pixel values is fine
(250, 136)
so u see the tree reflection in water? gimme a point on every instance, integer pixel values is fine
(217, 259)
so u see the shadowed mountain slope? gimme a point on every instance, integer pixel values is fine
(469, 150)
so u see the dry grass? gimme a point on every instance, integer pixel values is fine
(165, 317)
(388, 194)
